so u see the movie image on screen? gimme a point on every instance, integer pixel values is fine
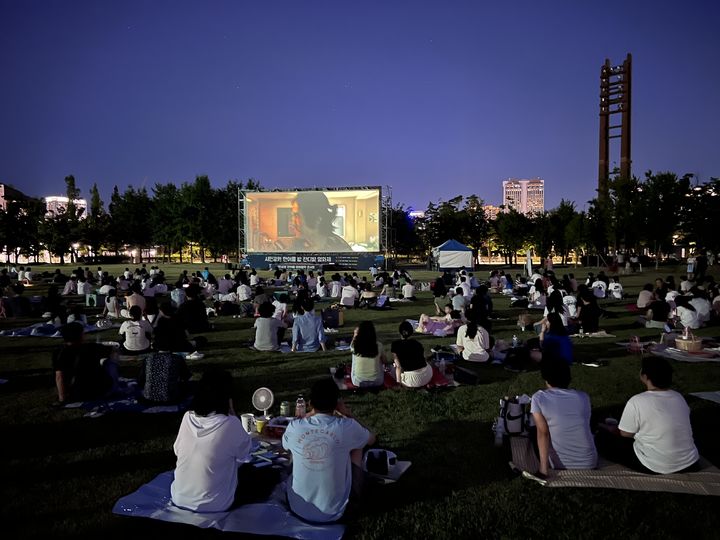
(332, 221)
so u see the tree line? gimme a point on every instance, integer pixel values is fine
(652, 213)
(177, 221)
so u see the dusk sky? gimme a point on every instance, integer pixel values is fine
(435, 99)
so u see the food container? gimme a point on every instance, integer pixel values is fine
(688, 344)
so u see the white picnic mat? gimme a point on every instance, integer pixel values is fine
(273, 517)
(710, 396)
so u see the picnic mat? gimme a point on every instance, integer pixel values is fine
(614, 476)
(710, 396)
(46, 330)
(272, 517)
(672, 353)
(131, 402)
(438, 381)
(599, 334)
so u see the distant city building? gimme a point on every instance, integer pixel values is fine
(525, 196)
(9, 194)
(491, 211)
(55, 205)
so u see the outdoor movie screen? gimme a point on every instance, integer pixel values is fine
(332, 221)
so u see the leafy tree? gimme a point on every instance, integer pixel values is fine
(700, 217)
(404, 234)
(577, 234)
(560, 220)
(169, 231)
(474, 225)
(131, 215)
(663, 196)
(72, 214)
(511, 230)
(95, 226)
(542, 233)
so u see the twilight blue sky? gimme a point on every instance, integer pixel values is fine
(434, 98)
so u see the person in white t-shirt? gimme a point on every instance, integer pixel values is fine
(326, 447)
(408, 290)
(210, 446)
(349, 295)
(335, 288)
(473, 342)
(562, 418)
(615, 288)
(254, 278)
(599, 288)
(321, 289)
(136, 333)
(466, 289)
(244, 292)
(654, 434)
(685, 314)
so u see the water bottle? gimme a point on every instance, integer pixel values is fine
(300, 407)
(498, 434)
(514, 341)
(442, 365)
(582, 332)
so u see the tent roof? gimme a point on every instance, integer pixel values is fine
(452, 245)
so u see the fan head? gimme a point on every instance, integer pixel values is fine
(263, 399)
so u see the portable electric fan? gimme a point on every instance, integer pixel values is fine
(263, 399)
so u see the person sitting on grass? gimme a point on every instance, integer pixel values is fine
(368, 357)
(192, 312)
(562, 417)
(408, 290)
(83, 371)
(654, 434)
(308, 333)
(410, 367)
(657, 314)
(136, 298)
(135, 333)
(170, 333)
(473, 342)
(210, 445)
(554, 340)
(349, 295)
(645, 297)
(440, 326)
(112, 306)
(686, 315)
(267, 329)
(588, 311)
(326, 447)
(163, 377)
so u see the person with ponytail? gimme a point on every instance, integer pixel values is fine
(473, 342)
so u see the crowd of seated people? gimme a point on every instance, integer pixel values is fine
(653, 435)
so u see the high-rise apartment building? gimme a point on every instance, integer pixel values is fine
(525, 196)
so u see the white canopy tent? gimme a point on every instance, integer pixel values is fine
(453, 255)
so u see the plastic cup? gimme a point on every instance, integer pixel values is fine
(247, 419)
(260, 424)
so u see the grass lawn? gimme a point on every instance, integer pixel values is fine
(62, 473)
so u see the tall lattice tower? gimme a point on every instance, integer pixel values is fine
(615, 94)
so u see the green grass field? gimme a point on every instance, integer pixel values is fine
(62, 473)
